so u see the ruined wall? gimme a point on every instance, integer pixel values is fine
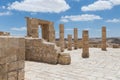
(41, 51)
(47, 27)
(12, 55)
(4, 33)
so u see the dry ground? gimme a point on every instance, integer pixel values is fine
(102, 65)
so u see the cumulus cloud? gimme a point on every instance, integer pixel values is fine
(101, 5)
(113, 20)
(51, 6)
(5, 13)
(77, 0)
(68, 29)
(83, 17)
(18, 29)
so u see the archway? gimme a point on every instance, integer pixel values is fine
(48, 32)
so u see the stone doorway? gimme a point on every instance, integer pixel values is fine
(47, 27)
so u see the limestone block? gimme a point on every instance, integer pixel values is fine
(21, 74)
(64, 59)
(75, 38)
(2, 60)
(13, 42)
(2, 52)
(80, 43)
(85, 44)
(3, 42)
(21, 55)
(21, 64)
(103, 45)
(12, 75)
(12, 66)
(116, 46)
(69, 42)
(3, 69)
(11, 58)
(22, 42)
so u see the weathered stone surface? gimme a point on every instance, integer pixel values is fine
(103, 45)
(4, 34)
(80, 43)
(11, 62)
(64, 59)
(69, 42)
(116, 46)
(61, 39)
(41, 51)
(75, 38)
(48, 32)
(85, 46)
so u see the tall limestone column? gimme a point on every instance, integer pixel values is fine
(85, 46)
(69, 42)
(103, 45)
(75, 38)
(61, 40)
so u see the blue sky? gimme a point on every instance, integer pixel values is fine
(81, 14)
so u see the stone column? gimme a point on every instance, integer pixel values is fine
(51, 32)
(85, 46)
(75, 38)
(69, 42)
(80, 43)
(61, 40)
(32, 27)
(103, 46)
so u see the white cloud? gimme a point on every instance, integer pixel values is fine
(77, 0)
(64, 20)
(5, 13)
(19, 29)
(68, 29)
(101, 5)
(71, 29)
(83, 17)
(113, 20)
(52, 6)
(87, 29)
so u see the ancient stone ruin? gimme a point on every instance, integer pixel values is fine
(4, 33)
(15, 50)
(43, 50)
(61, 42)
(12, 57)
(75, 38)
(69, 42)
(85, 46)
(103, 45)
(48, 32)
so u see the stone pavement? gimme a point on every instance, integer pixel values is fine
(102, 65)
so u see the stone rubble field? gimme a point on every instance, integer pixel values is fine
(101, 65)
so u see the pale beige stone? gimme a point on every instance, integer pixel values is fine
(85, 46)
(47, 27)
(10, 57)
(64, 59)
(61, 39)
(103, 45)
(75, 38)
(69, 42)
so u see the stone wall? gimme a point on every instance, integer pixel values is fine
(41, 51)
(4, 33)
(12, 55)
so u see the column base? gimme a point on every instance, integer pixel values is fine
(69, 49)
(104, 49)
(85, 55)
(75, 48)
